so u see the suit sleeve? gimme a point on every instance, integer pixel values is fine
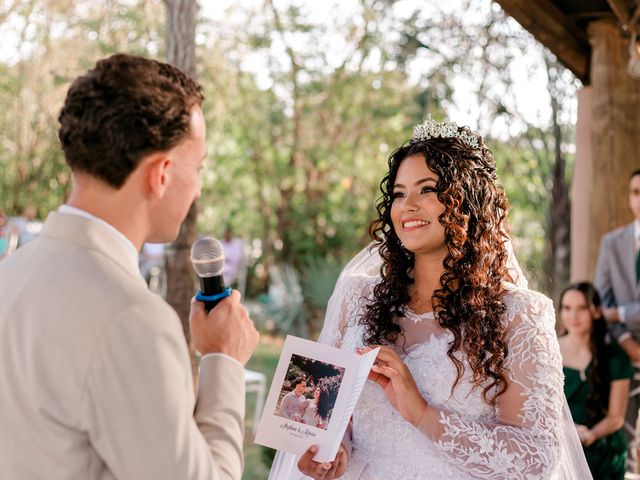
(220, 411)
(632, 316)
(285, 407)
(139, 402)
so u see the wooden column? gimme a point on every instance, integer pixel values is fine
(615, 133)
(581, 189)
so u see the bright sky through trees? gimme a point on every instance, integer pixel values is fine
(529, 87)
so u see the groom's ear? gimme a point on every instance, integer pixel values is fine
(158, 174)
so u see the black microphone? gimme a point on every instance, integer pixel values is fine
(207, 258)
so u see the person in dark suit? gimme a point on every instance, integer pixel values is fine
(618, 282)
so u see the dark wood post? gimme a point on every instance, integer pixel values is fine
(615, 132)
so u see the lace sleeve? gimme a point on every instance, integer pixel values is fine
(348, 299)
(523, 441)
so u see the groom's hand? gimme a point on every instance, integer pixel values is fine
(326, 470)
(226, 329)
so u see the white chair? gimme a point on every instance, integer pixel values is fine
(256, 382)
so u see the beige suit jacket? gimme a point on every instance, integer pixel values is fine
(95, 378)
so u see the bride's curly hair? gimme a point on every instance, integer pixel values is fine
(470, 300)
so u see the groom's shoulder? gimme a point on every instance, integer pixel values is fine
(79, 284)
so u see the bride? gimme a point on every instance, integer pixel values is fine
(468, 383)
(310, 416)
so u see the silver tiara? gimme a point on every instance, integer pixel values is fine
(432, 129)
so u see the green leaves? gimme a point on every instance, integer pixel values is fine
(302, 111)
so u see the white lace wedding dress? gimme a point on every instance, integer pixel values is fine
(526, 436)
(470, 441)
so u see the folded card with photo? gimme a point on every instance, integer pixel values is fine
(312, 396)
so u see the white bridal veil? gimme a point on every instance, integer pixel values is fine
(571, 464)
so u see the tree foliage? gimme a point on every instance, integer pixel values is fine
(53, 42)
(302, 111)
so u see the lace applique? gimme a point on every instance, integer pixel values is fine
(529, 449)
(418, 317)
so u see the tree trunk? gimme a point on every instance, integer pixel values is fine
(181, 48)
(181, 34)
(559, 214)
(296, 155)
(560, 207)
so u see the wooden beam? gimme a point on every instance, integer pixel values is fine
(551, 27)
(635, 18)
(621, 9)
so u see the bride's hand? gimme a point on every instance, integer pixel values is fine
(398, 384)
(586, 436)
(326, 470)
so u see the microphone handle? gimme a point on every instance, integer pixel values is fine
(211, 286)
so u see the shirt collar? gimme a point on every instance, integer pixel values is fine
(132, 253)
(636, 232)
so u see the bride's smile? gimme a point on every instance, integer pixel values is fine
(410, 225)
(416, 208)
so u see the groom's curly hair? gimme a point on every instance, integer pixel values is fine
(126, 107)
(469, 302)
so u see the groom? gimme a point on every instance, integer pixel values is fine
(293, 402)
(96, 380)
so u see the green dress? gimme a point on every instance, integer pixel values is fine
(607, 457)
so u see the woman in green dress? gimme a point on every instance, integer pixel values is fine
(597, 377)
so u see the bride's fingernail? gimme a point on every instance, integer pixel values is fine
(313, 449)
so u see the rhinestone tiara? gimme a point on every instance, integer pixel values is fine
(432, 129)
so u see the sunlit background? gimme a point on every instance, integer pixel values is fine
(304, 103)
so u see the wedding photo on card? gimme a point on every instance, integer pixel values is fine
(312, 396)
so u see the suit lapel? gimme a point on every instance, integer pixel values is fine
(631, 247)
(628, 253)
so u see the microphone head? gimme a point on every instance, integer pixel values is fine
(207, 257)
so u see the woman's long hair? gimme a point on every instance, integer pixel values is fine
(325, 404)
(598, 373)
(469, 302)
